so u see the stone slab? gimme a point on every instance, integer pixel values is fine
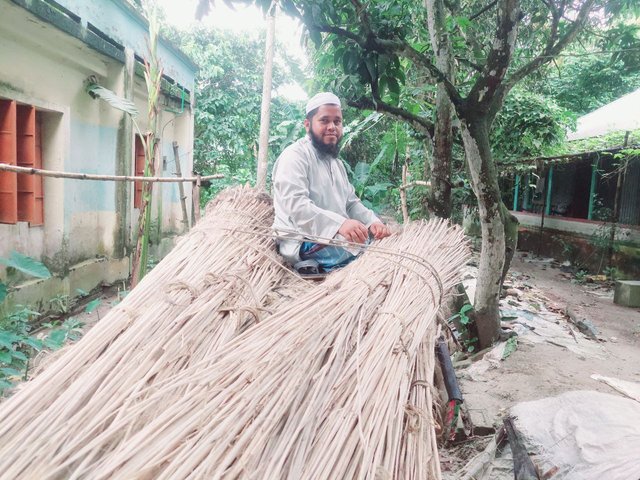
(627, 293)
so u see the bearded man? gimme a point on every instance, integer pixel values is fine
(313, 197)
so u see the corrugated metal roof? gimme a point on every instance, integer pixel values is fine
(620, 115)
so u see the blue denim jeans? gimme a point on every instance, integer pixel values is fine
(329, 257)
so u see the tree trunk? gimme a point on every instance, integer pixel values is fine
(511, 224)
(484, 181)
(263, 150)
(439, 202)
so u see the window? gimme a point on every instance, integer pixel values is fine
(139, 172)
(21, 195)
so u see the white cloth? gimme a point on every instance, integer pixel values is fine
(312, 195)
(323, 98)
(584, 435)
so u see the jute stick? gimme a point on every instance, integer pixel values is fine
(316, 389)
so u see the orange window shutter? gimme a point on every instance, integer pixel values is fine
(139, 172)
(8, 154)
(26, 147)
(38, 187)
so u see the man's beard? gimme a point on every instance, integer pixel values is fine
(327, 148)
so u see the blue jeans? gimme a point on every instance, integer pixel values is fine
(329, 257)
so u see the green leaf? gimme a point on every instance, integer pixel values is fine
(5, 384)
(6, 357)
(379, 157)
(394, 86)
(362, 172)
(7, 339)
(18, 355)
(55, 339)
(315, 37)
(81, 292)
(26, 265)
(11, 372)
(373, 190)
(33, 342)
(3, 292)
(512, 345)
(112, 99)
(92, 305)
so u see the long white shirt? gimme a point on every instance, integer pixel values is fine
(312, 195)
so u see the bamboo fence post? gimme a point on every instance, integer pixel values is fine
(183, 198)
(403, 195)
(196, 199)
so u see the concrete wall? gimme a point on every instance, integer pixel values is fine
(623, 233)
(583, 242)
(44, 66)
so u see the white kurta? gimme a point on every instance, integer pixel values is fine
(312, 195)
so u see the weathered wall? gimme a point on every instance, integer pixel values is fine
(589, 252)
(43, 66)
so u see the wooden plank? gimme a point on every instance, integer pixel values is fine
(38, 186)
(8, 154)
(26, 157)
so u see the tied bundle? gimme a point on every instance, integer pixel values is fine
(333, 381)
(323, 388)
(214, 284)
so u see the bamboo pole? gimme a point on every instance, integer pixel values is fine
(112, 178)
(196, 199)
(416, 183)
(403, 195)
(183, 198)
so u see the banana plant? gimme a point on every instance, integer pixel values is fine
(153, 79)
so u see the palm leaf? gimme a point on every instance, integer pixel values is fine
(112, 99)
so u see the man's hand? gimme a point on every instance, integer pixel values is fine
(379, 230)
(354, 231)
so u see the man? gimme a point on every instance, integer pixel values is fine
(312, 194)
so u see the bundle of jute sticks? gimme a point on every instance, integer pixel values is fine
(192, 376)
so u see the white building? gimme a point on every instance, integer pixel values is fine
(83, 230)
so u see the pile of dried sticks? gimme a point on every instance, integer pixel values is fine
(205, 371)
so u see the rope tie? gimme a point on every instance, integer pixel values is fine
(178, 287)
(415, 418)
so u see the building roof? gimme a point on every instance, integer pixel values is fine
(619, 115)
(110, 26)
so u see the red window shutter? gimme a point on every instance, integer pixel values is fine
(38, 188)
(139, 172)
(26, 149)
(8, 180)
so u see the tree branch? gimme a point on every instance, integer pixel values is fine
(552, 48)
(483, 10)
(419, 123)
(483, 91)
(372, 43)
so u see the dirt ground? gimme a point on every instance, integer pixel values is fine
(539, 369)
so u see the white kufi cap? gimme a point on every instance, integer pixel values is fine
(319, 99)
